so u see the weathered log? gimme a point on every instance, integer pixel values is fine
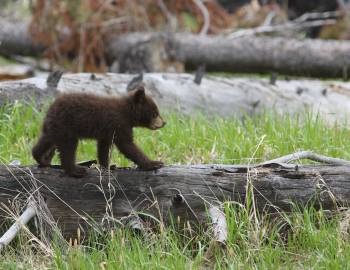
(112, 195)
(253, 54)
(214, 96)
(16, 40)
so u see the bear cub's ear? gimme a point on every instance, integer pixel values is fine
(139, 94)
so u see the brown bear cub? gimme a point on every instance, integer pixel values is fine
(109, 120)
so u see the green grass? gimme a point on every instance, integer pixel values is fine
(196, 139)
(303, 239)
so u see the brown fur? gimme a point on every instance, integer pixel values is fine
(109, 120)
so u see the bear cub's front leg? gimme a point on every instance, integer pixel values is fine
(132, 152)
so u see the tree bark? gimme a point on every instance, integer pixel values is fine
(251, 54)
(225, 97)
(183, 192)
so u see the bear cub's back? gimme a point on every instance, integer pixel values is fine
(84, 115)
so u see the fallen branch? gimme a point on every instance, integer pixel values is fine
(11, 233)
(206, 17)
(307, 20)
(319, 16)
(308, 155)
(279, 28)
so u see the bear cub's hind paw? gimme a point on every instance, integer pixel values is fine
(152, 165)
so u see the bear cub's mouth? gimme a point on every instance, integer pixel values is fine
(157, 123)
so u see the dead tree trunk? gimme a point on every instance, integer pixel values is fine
(174, 191)
(253, 54)
(15, 40)
(226, 97)
(309, 57)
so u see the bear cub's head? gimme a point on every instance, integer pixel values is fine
(145, 110)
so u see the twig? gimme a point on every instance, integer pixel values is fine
(170, 17)
(306, 20)
(307, 155)
(26, 216)
(281, 27)
(318, 16)
(107, 23)
(206, 16)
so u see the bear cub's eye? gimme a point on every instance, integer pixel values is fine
(155, 114)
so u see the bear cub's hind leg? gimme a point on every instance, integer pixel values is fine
(103, 150)
(67, 149)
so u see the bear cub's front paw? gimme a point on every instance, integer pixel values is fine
(151, 165)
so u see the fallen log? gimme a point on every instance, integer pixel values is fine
(225, 97)
(186, 193)
(16, 40)
(252, 54)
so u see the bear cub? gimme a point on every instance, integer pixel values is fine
(109, 120)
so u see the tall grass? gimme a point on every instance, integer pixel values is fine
(305, 238)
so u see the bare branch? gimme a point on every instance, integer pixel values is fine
(26, 216)
(172, 20)
(206, 17)
(306, 20)
(280, 28)
(318, 16)
(307, 155)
